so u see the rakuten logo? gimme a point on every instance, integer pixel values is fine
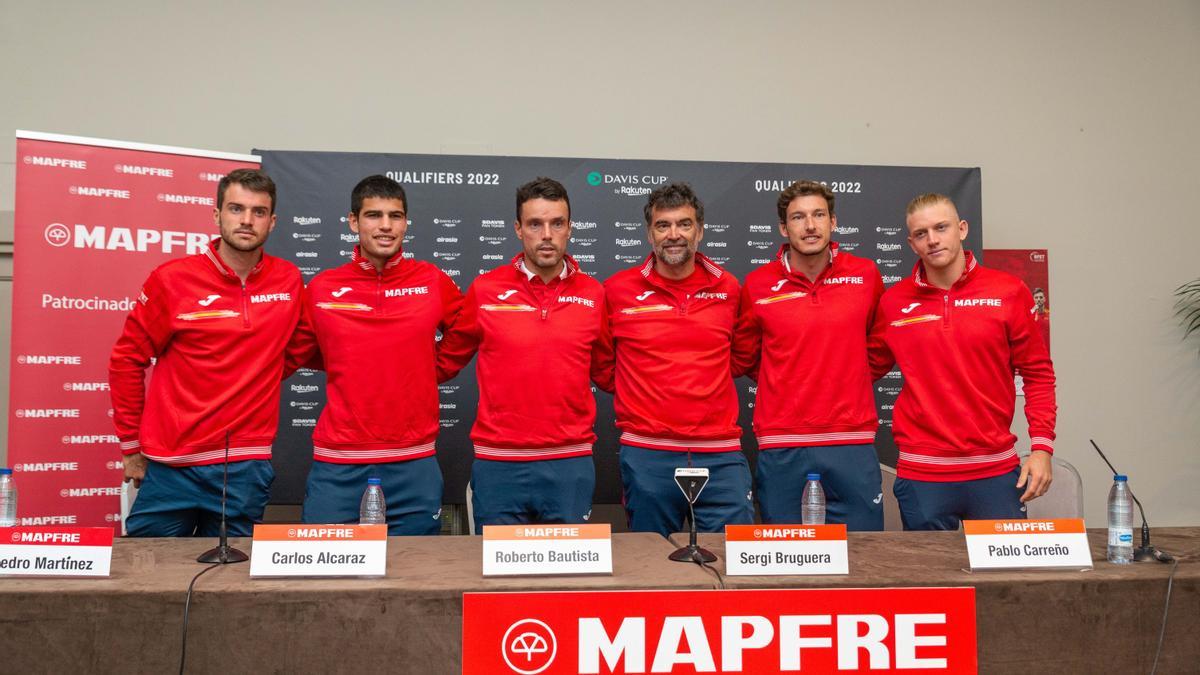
(139, 240)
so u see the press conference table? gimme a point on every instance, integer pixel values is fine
(1104, 620)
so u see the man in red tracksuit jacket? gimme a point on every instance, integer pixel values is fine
(217, 323)
(539, 327)
(372, 325)
(672, 320)
(807, 314)
(959, 332)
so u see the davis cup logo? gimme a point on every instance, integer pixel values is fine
(529, 647)
(57, 235)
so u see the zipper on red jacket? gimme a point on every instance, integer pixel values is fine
(946, 310)
(245, 307)
(379, 292)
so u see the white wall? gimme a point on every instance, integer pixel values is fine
(1081, 114)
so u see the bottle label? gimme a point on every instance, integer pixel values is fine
(1120, 536)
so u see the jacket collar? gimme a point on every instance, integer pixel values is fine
(782, 256)
(570, 267)
(919, 276)
(364, 263)
(711, 267)
(226, 270)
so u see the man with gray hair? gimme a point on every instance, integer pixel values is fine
(672, 320)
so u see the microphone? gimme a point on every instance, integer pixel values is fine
(691, 482)
(1145, 552)
(222, 553)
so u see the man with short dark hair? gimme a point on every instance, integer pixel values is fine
(217, 324)
(372, 325)
(959, 332)
(807, 314)
(539, 327)
(672, 320)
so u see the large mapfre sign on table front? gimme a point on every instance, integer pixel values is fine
(877, 630)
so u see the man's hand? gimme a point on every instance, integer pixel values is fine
(135, 468)
(1037, 472)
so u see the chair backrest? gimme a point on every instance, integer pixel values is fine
(891, 508)
(1064, 499)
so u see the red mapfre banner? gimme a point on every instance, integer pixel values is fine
(92, 218)
(884, 630)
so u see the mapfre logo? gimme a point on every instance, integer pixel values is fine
(56, 162)
(825, 630)
(270, 297)
(57, 235)
(529, 647)
(134, 240)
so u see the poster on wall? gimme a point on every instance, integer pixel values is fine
(92, 218)
(461, 213)
(1033, 267)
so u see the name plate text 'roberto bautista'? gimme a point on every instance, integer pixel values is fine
(510, 550)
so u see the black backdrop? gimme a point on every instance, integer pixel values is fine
(461, 212)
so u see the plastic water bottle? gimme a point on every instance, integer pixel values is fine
(372, 510)
(1120, 522)
(8, 499)
(812, 510)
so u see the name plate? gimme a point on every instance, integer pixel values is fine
(55, 551)
(515, 550)
(1027, 544)
(786, 549)
(319, 551)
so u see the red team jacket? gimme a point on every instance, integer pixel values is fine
(219, 346)
(958, 351)
(674, 367)
(537, 345)
(814, 383)
(376, 336)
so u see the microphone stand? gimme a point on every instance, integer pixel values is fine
(223, 553)
(1145, 552)
(692, 552)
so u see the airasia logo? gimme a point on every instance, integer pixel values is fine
(529, 647)
(57, 235)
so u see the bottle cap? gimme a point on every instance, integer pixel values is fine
(5, 471)
(1120, 478)
(373, 481)
(814, 476)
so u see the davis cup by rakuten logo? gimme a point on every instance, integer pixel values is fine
(57, 235)
(529, 647)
